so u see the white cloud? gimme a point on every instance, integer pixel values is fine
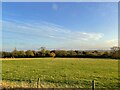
(54, 6)
(113, 42)
(105, 44)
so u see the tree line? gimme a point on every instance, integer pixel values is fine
(113, 53)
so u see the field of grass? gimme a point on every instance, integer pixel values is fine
(60, 73)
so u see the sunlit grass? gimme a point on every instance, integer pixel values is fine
(60, 72)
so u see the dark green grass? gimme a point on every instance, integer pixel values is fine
(62, 72)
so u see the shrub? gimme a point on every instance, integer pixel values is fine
(52, 54)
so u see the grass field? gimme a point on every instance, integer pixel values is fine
(60, 72)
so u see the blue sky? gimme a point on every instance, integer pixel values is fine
(59, 25)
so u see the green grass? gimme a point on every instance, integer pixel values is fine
(60, 72)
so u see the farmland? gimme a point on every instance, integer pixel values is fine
(60, 72)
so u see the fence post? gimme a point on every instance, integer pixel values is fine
(38, 83)
(93, 85)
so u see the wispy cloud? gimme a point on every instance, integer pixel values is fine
(48, 30)
(54, 36)
(64, 38)
(55, 7)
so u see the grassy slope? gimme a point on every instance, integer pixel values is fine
(60, 72)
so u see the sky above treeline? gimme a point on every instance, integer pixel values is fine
(59, 25)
